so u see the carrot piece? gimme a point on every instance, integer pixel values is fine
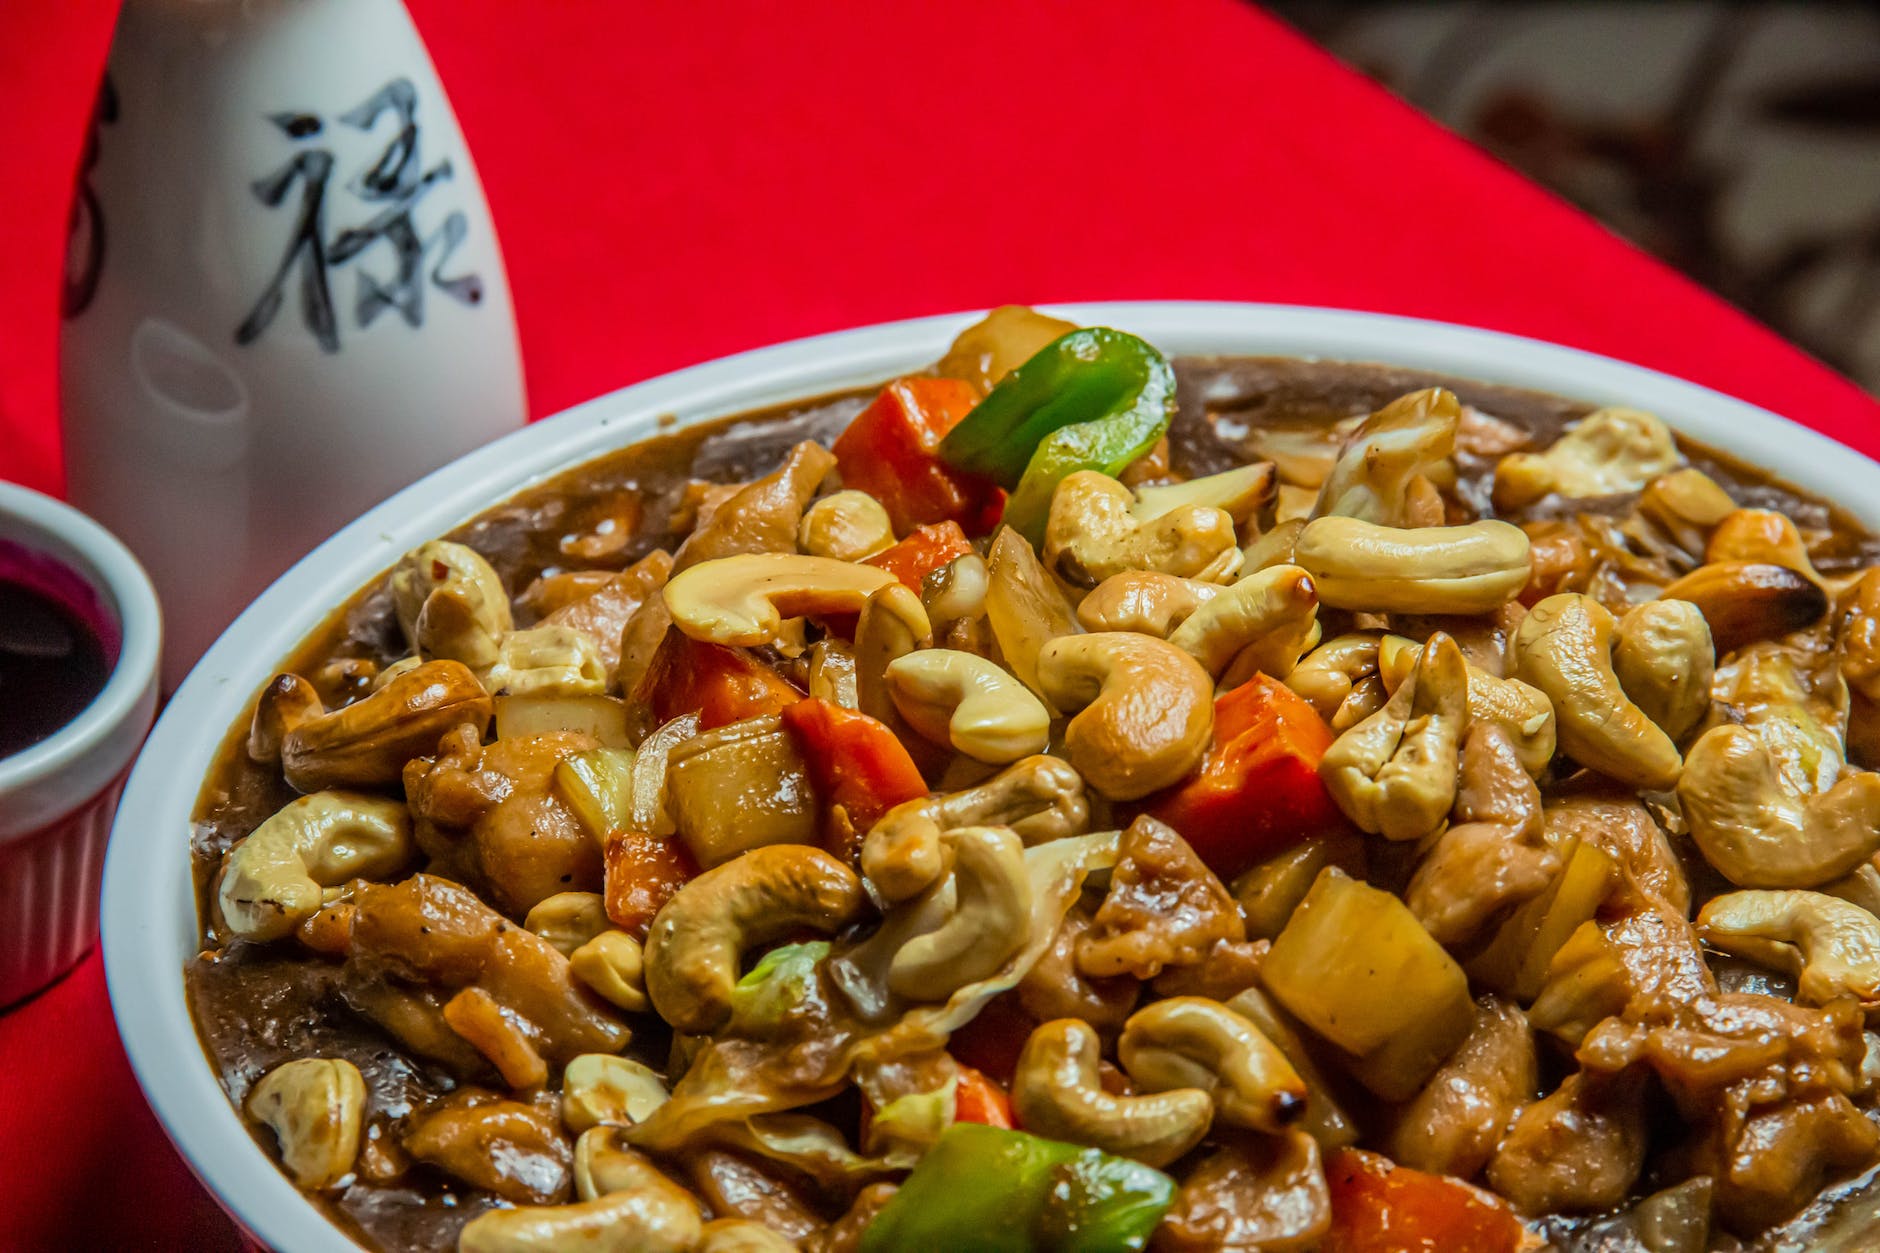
(643, 872)
(1258, 793)
(992, 1041)
(922, 551)
(889, 451)
(1381, 1207)
(855, 761)
(980, 1099)
(722, 685)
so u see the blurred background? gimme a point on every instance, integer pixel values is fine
(1739, 142)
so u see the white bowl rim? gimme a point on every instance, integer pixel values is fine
(148, 902)
(82, 545)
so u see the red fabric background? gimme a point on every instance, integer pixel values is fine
(677, 181)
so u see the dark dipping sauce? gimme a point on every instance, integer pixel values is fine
(52, 665)
(258, 1007)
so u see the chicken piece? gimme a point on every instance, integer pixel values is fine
(1495, 856)
(1453, 1126)
(515, 1149)
(1054, 988)
(1644, 969)
(426, 959)
(764, 514)
(1164, 908)
(603, 614)
(1255, 1194)
(489, 815)
(1617, 825)
(1227, 969)
(1769, 1160)
(1579, 1149)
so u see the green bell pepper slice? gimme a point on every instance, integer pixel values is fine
(988, 1190)
(1095, 399)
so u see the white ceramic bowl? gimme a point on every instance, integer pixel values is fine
(149, 903)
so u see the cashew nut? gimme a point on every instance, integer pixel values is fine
(1607, 452)
(1147, 709)
(893, 624)
(601, 1089)
(548, 660)
(272, 881)
(744, 599)
(1663, 659)
(314, 1106)
(1264, 621)
(1056, 1092)
(1564, 648)
(1193, 1042)
(1394, 774)
(1144, 602)
(450, 603)
(611, 965)
(630, 1207)
(846, 526)
(1092, 534)
(991, 918)
(1238, 493)
(568, 920)
(699, 937)
(1760, 535)
(1759, 828)
(1687, 505)
(956, 590)
(1371, 478)
(1831, 944)
(1039, 798)
(367, 743)
(970, 702)
(1434, 569)
(1328, 675)
(1748, 601)
(1522, 712)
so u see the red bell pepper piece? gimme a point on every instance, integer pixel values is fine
(643, 872)
(1381, 1207)
(979, 1099)
(722, 685)
(1258, 793)
(854, 760)
(889, 452)
(995, 1037)
(922, 551)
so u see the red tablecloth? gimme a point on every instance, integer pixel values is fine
(674, 182)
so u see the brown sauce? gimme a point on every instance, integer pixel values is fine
(255, 1008)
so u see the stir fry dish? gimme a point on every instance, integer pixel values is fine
(1069, 800)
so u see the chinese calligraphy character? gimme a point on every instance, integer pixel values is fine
(84, 253)
(392, 185)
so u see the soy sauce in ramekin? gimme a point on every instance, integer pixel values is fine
(52, 665)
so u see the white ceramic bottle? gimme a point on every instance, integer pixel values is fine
(283, 297)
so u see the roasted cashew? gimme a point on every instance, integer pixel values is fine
(1092, 534)
(314, 1106)
(846, 526)
(1759, 828)
(1760, 535)
(1394, 774)
(1328, 674)
(990, 921)
(1521, 711)
(745, 599)
(568, 920)
(548, 660)
(956, 590)
(893, 623)
(272, 880)
(450, 603)
(1143, 601)
(1147, 709)
(969, 702)
(1056, 1093)
(1193, 1042)
(633, 1208)
(612, 966)
(1686, 505)
(601, 1089)
(699, 937)
(1607, 452)
(1664, 662)
(1371, 478)
(367, 743)
(1039, 798)
(1436, 569)
(1748, 601)
(1262, 623)
(1564, 648)
(1238, 493)
(1831, 944)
